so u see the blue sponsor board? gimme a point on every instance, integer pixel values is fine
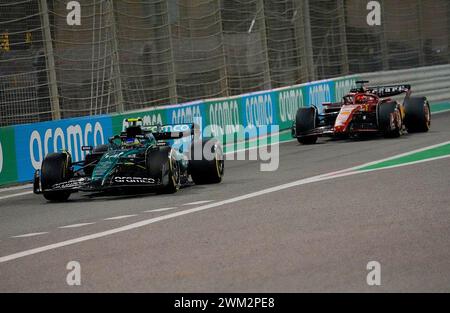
(192, 112)
(319, 93)
(258, 110)
(35, 141)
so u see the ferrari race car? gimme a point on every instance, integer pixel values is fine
(140, 158)
(365, 110)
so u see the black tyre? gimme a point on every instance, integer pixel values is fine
(91, 159)
(55, 169)
(305, 121)
(208, 169)
(390, 119)
(417, 114)
(162, 165)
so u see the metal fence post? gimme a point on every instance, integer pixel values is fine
(172, 76)
(263, 33)
(448, 32)
(224, 71)
(50, 59)
(384, 45)
(343, 36)
(420, 31)
(300, 41)
(308, 42)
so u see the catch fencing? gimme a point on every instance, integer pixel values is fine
(135, 54)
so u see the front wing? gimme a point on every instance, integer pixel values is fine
(86, 184)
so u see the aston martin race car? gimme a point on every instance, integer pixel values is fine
(140, 158)
(365, 110)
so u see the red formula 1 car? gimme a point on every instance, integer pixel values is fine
(365, 110)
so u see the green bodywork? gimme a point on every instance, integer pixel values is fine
(108, 162)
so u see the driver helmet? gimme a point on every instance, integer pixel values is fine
(130, 142)
(360, 99)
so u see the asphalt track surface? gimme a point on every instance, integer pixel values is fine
(312, 237)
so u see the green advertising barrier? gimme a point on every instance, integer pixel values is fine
(8, 166)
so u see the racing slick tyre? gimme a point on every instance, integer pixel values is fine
(208, 169)
(92, 158)
(417, 114)
(305, 120)
(55, 169)
(390, 119)
(162, 165)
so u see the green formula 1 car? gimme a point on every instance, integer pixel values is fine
(140, 158)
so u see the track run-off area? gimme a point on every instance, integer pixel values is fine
(312, 225)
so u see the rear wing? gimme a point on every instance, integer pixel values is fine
(171, 131)
(390, 91)
(382, 91)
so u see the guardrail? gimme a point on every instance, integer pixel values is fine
(432, 82)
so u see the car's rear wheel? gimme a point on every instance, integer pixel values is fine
(162, 165)
(417, 114)
(305, 121)
(390, 119)
(207, 169)
(55, 169)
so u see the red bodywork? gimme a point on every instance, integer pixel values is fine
(354, 102)
(363, 110)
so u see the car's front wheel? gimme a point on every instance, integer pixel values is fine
(55, 169)
(162, 165)
(305, 121)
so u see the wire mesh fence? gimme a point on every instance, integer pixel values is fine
(133, 54)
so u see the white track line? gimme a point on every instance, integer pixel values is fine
(160, 210)
(314, 179)
(119, 217)
(439, 112)
(198, 202)
(29, 235)
(406, 164)
(403, 155)
(16, 188)
(76, 225)
(16, 195)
